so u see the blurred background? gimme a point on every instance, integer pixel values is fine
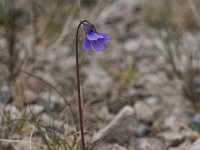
(141, 93)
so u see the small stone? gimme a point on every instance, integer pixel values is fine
(69, 129)
(152, 100)
(183, 146)
(30, 97)
(51, 122)
(191, 135)
(197, 86)
(157, 126)
(195, 145)
(36, 109)
(146, 144)
(173, 148)
(142, 130)
(121, 124)
(144, 112)
(172, 138)
(110, 147)
(194, 123)
(174, 122)
(3, 43)
(49, 107)
(5, 97)
(12, 110)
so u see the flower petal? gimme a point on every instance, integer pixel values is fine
(98, 35)
(86, 45)
(91, 36)
(98, 46)
(104, 40)
(86, 28)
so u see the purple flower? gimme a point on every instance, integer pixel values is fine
(94, 39)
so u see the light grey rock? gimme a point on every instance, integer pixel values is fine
(151, 80)
(110, 147)
(56, 124)
(10, 111)
(195, 145)
(36, 109)
(146, 144)
(120, 129)
(29, 97)
(174, 122)
(144, 112)
(172, 138)
(152, 100)
(49, 107)
(3, 43)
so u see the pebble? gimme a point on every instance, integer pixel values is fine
(144, 112)
(195, 145)
(197, 86)
(142, 130)
(110, 147)
(152, 100)
(12, 110)
(5, 97)
(51, 122)
(174, 123)
(121, 124)
(194, 123)
(146, 144)
(36, 109)
(29, 97)
(172, 138)
(157, 126)
(49, 107)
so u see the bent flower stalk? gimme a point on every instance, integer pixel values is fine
(97, 41)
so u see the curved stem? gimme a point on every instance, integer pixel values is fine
(78, 85)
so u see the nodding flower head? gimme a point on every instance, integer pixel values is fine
(93, 38)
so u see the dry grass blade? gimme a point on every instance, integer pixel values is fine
(54, 88)
(21, 141)
(65, 28)
(195, 11)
